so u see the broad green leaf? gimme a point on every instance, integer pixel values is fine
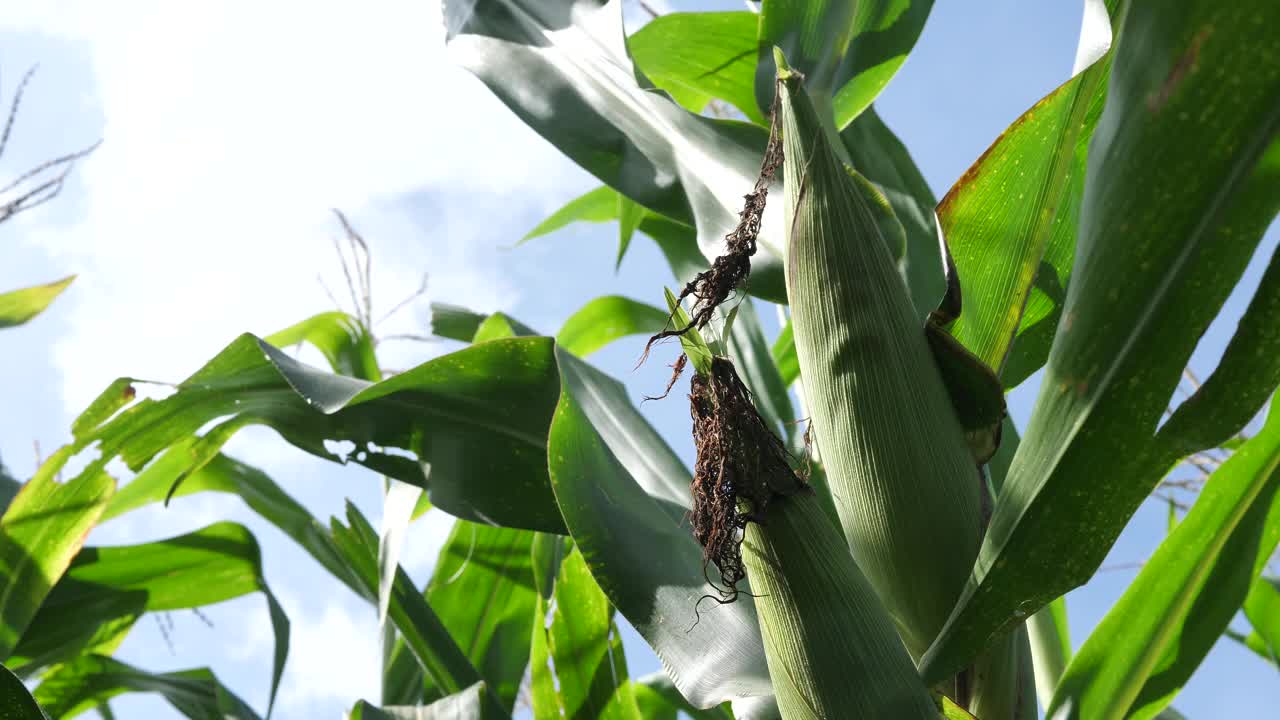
(398, 502)
(847, 51)
(586, 652)
(547, 551)
(599, 205)
(877, 402)
(255, 488)
(696, 56)
(624, 496)
(1262, 608)
(562, 67)
(344, 343)
(8, 488)
(606, 319)
(1170, 218)
(104, 584)
(477, 417)
(19, 306)
(455, 323)
(89, 680)
(482, 590)
(1160, 630)
(1010, 222)
(469, 704)
(500, 325)
(16, 702)
(426, 636)
(40, 532)
(1050, 646)
(878, 154)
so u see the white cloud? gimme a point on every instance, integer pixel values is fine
(230, 130)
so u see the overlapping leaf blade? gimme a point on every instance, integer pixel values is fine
(75, 687)
(109, 584)
(847, 51)
(697, 56)
(563, 68)
(606, 319)
(1157, 634)
(468, 704)
(1167, 226)
(40, 532)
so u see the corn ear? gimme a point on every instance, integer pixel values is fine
(831, 647)
(905, 484)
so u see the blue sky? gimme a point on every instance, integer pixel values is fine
(230, 131)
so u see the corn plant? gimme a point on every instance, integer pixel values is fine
(904, 553)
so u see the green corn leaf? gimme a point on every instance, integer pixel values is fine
(1169, 220)
(599, 205)
(500, 325)
(586, 652)
(339, 336)
(546, 551)
(589, 105)
(831, 646)
(625, 498)
(88, 681)
(1262, 608)
(41, 531)
(896, 417)
(606, 319)
(784, 355)
(455, 323)
(482, 590)
(17, 307)
(660, 700)
(847, 51)
(1010, 221)
(255, 488)
(16, 702)
(697, 56)
(424, 633)
(630, 214)
(469, 704)
(106, 584)
(1157, 634)
(477, 416)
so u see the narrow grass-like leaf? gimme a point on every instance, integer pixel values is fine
(754, 361)
(784, 355)
(90, 680)
(694, 345)
(697, 56)
(831, 646)
(606, 319)
(847, 51)
(895, 448)
(40, 532)
(1262, 608)
(1169, 222)
(482, 590)
(625, 498)
(19, 306)
(437, 652)
(1157, 634)
(562, 67)
(455, 323)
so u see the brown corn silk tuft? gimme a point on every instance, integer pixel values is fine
(741, 467)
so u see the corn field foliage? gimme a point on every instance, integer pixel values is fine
(902, 554)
